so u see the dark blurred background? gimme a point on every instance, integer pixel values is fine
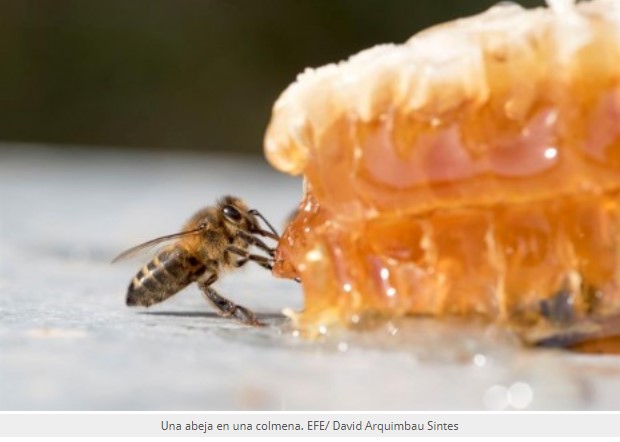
(180, 74)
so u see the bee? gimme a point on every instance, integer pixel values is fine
(217, 238)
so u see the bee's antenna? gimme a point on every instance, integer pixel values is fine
(257, 213)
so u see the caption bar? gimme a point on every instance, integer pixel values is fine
(297, 424)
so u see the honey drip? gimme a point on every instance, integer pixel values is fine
(472, 171)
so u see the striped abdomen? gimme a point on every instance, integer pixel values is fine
(170, 271)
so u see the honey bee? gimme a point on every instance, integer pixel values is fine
(215, 239)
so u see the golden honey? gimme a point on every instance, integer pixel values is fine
(472, 171)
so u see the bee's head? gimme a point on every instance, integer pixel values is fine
(237, 213)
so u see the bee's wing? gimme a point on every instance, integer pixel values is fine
(144, 247)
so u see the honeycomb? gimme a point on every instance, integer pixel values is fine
(473, 171)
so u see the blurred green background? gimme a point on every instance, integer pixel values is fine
(179, 74)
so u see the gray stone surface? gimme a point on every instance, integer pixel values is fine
(67, 341)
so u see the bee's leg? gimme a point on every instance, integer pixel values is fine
(225, 307)
(257, 242)
(246, 256)
(260, 260)
(260, 215)
(241, 262)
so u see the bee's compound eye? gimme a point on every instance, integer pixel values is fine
(232, 213)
